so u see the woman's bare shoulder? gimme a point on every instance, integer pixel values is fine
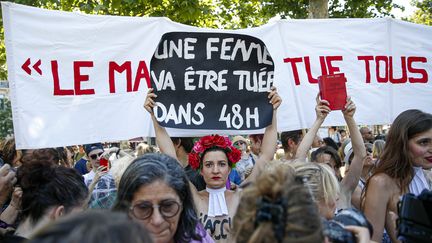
(382, 180)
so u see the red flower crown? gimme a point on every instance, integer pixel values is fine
(195, 156)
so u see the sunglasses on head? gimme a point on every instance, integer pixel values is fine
(95, 156)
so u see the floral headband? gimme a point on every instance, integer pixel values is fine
(195, 156)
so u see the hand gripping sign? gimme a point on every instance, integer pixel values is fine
(212, 81)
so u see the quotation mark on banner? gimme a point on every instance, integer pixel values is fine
(27, 69)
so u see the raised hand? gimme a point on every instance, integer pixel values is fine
(322, 108)
(7, 180)
(350, 108)
(274, 97)
(107, 153)
(101, 171)
(149, 102)
(16, 198)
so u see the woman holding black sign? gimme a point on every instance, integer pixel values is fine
(213, 157)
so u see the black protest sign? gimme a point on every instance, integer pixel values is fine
(212, 81)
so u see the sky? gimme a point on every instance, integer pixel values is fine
(409, 10)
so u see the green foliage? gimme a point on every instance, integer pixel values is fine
(424, 13)
(3, 69)
(6, 125)
(361, 9)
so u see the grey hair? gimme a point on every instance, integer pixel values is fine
(152, 167)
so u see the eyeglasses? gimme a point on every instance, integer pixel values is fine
(95, 156)
(144, 210)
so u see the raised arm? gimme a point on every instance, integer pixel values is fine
(163, 140)
(322, 110)
(351, 179)
(269, 140)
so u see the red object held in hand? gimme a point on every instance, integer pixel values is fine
(104, 162)
(333, 89)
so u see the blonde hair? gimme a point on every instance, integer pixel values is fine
(341, 150)
(277, 185)
(377, 148)
(143, 148)
(320, 179)
(280, 153)
(119, 166)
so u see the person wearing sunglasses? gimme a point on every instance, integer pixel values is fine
(154, 191)
(100, 181)
(366, 135)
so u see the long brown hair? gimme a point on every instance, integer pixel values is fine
(396, 160)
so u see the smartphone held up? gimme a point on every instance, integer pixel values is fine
(104, 162)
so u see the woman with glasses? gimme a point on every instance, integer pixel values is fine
(154, 191)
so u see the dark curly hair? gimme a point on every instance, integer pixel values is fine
(45, 185)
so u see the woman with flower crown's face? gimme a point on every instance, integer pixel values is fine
(215, 169)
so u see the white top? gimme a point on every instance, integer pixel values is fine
(419, 182)
(217, 204)
(104, 191)
(243, 165)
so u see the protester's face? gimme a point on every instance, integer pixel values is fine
(317, 142)
(215, 169)
(328, 160)
(95, 161)
(241, 145)
(255, 146)
(420, 148)
(161, 227)
(343, 134)
(367, 134)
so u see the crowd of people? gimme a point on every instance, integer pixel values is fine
(342, 188)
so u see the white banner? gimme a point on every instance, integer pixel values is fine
(78, 78)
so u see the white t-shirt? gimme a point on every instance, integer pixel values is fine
(104, 191)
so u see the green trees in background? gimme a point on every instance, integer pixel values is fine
(424, 13)
(6, 127)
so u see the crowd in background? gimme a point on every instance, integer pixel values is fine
(289, 187)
